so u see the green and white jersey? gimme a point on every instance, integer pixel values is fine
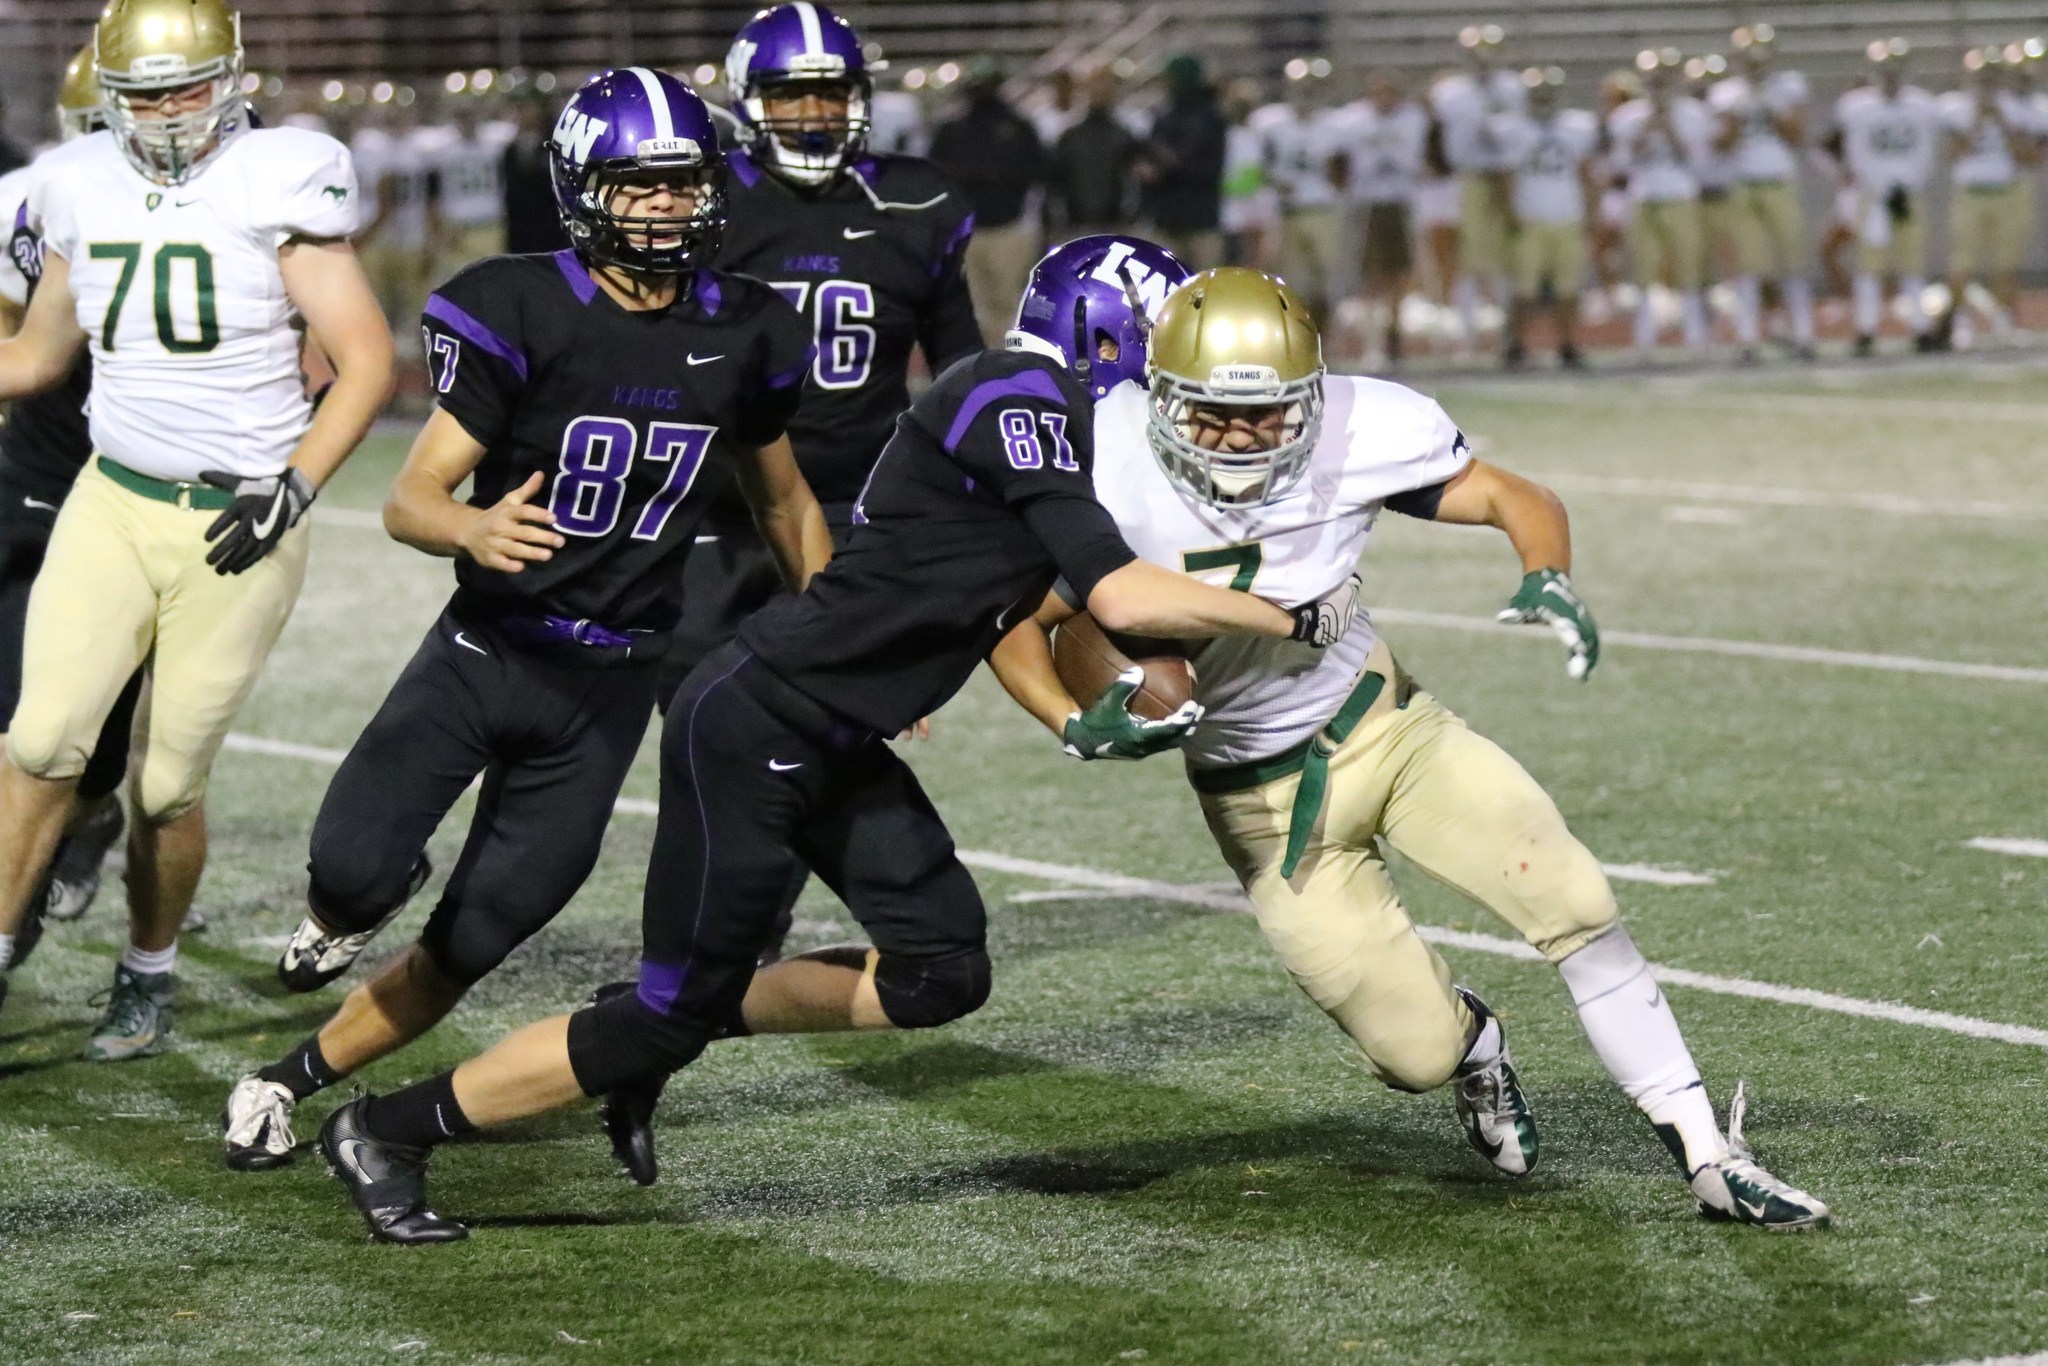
(1988, 159)
(195, 363)
(1889, 141)
(1760, 154)
(1379, 441)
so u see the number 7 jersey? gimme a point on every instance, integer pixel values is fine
(637, 420)
(181, 296)
(1382, 445)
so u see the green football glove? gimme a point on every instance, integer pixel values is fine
(1547, 598)
(1107, 730)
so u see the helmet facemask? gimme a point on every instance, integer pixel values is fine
(1241, 439)
(166, 140)
(810, 151)
(611, 234)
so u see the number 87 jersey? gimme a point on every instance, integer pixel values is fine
(637, 420)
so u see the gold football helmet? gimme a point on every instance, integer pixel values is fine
(1235, 369)
(148, 53)
(78, 98)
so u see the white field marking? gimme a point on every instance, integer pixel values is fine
(283, 749)
(2030, 1359)
(1657, 875)
(1752, 649)
(1722, 401)
(1704, 516)
(2017, 848)
(1771, 495)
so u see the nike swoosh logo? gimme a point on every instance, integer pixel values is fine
(1755, 1211)
(184, 203)
(28, 502)
(1002, 623)
(694, 359)
(345, 1154)
(269, 522)
(469, 644)
(854, 235)
(778, 766)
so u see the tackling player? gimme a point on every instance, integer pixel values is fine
(42, 447)
(868, 247)
(774, 756)
(1240, 456)
(179, 244)
(602, 397)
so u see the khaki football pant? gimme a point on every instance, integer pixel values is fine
(1556, 252)
(1770, 229)
(1989, 227)
(1901, 248)
(398, 276)
(1483, 235)
(1463, 811)
(1311, 240)
(464, 247)
(1665, 243)
(126, 579)
(998, 266)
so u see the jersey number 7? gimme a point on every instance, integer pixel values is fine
(589, 489)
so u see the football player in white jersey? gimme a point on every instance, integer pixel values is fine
(1994, 139)
(180, 244)
(1660, 139)
(1761, 114)
(1245, 460)
(1464, 106)
(1890, 133)
(1550, 187)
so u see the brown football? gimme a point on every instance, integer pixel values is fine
(1089, 659)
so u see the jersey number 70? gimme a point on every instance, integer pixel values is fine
(589, 489)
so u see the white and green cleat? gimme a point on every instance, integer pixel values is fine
(1496, 1115)
(137, 1020)
(1735, 1189)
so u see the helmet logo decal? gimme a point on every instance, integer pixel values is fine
(577, 133)
(736, 63)
(1116, 268)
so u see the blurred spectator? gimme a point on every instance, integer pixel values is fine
(896, 122)
(1889, 138)
(1660, 140)
(1437, 206)
(532, 222)
(1389, 136)
(1251, 204)
(1305, 156)
(1088, 181)
(13, 156)
(1181, 167)
(1610, 211)
(468, 162)
(1762, 115)
(1464, 105)
(1992, 135)
(393, 241)
(1550, 184)
(993, 153)
(1059, 112)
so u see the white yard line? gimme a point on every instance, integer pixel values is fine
(2030, 1359)
(1214, 897)
(1726, 400)
(1752, 649)
(2017, 848)
(1769, 495)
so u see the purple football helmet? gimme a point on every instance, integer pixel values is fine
(781, 51)
(1091, 295)
(637, 124)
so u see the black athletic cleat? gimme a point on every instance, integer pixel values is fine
(387, 1182)
(629, 1123)
(75, 871)
(316, 955)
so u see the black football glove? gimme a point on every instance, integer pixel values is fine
(263, 511)
(1322, 623)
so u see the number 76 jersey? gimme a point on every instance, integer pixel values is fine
(1382, 445)
(636, 421)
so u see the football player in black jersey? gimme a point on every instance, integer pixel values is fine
(775, 755)
(43, 445)
(601, 397)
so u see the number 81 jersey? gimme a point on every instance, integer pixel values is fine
(1382, 445)
(636, 420)
(181, 295)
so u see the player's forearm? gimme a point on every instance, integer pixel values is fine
(798, 537)
(28, 368)
(1022, 663)
(424, 514)
(1536, 524)
(362, 385)
(1145, 599)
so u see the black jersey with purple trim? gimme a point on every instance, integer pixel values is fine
(47, 437)
(638, 420)
(874, 278)
(982, 498)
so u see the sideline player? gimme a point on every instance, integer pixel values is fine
(179, 243)
(1659, 139)
(1889, 135)
(1761, 113)
(43, 445)
(1302, 760)
(1994, 144)
(1550, 152)
(566, 388)
(773, 754)
(1465, 105)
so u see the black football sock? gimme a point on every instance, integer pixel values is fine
(303, 1071)
(419, 1116)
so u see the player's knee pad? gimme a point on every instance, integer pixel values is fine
(920, 993)
(41, 744)
(170, 785)
(621, 1039)
(1418, 1058)
(1564, 894)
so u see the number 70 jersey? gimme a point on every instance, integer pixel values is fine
(181, 295)
(1381, 444)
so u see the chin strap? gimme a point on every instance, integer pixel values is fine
(1083, 371)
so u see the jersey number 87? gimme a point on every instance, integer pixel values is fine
(589, 489)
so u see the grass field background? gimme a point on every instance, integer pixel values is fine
(1149, 1145)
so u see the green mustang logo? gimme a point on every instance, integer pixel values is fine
(340, 193)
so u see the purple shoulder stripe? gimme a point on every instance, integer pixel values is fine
(1029, 384)
(475, 333)
(708, 293)
(21, 216)
(580, 283)
(795, 373)
(953, 244)
(743, 168)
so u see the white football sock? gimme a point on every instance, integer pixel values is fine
(149, 961)
(1748, 310)
(1465, 297)
(1799, 302)
(1695, 315)
(1869, 304)
(1633, 1031)
(1646, 324)
(6, 951)
(1912, 287)
(1484, 1049)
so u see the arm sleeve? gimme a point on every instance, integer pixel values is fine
(476, 362)
(946, 329)
(312, 187)
(1082, 539)
(786, 354)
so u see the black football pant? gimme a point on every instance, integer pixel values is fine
(553, 735)
(759, 782)
(25, 521)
